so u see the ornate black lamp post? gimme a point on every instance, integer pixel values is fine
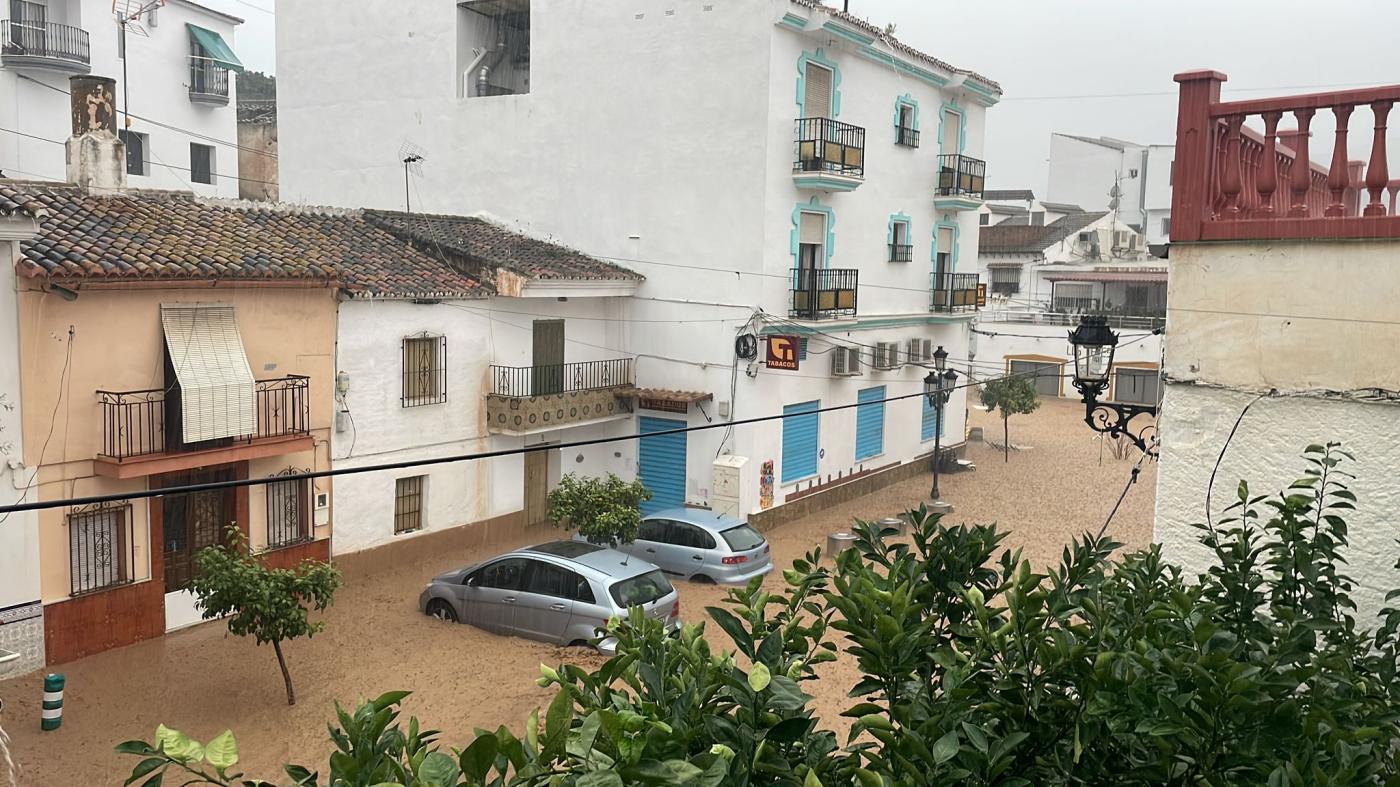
(938, 386)
(1094, 344)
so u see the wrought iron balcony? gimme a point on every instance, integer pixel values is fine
(27, 41)
(148, 423)
(830, 155)
(524, 381)
(823, 292)
(908, 137)
(901, 252)
(961, 180)
(208, 81)
(953, 292)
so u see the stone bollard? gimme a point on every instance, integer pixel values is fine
(53, 702)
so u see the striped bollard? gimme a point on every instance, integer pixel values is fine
(53, 702)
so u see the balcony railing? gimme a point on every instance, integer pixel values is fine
(823, 292)
(961, 176)
(826, 145)
(1233, 182)
(144, 423)
(1070, 320)
(953, 292)
(901, 252)
(28, 40)
(908, 137)
(208, 81)
(525, 381)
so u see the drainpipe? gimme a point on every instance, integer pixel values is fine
(495, 56)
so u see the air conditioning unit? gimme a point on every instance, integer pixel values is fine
(1086, 237)
(845, 361)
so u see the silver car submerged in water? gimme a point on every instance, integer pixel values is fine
(561, 592)
(700, 545)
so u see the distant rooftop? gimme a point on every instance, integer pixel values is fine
(1061, 207)
(1008, 195)
(1032, 239)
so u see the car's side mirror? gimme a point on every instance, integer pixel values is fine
(471, 582)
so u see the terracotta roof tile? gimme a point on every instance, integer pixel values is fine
(482, 243)
(1031, 239)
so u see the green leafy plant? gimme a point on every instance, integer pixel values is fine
(1015, 395)
(605, 510)
(272, 605)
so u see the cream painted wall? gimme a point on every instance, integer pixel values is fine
(116, 345)
(1286, 315)
(1266, 452)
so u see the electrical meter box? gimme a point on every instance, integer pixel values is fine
(727, 485)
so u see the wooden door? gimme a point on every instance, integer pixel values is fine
(548, 357)
(536, 487)
(193, 521)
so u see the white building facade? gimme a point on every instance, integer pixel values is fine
(1084, 170)
(792, 181)
(1042, 278)
(175, 70)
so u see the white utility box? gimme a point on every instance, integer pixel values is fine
(727, 485)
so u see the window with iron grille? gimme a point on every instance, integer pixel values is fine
(408, 504)
(1006, 281)
(99, 547)
(424, 370)
(288, 510)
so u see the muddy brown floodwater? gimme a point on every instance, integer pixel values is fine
(202, 681)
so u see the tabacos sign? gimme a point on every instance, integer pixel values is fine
(781, 352)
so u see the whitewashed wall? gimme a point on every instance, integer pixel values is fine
(158, 75)
(21, 615)
(479, 333)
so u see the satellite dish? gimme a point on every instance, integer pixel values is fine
(412, 155)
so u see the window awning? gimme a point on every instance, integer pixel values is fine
(216, 383)
(215, 48)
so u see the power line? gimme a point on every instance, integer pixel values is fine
(159, 160)
(154, 122)
(331, 473)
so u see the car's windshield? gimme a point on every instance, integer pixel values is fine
(742, 538)
(642, 589)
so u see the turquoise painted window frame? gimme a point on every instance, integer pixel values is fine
(818, 57)
(813, 205)
(906, 100)
(899, 218)
(953, 258)
(943, 110)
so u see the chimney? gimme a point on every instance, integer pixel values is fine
(96, 157)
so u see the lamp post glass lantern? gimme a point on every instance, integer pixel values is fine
(1094, 347)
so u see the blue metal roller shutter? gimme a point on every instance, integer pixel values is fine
(929, 426)
(870, 423)
(661, 464)
(800, 441)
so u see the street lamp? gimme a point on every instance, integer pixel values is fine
(938, 386)
(1094, 345)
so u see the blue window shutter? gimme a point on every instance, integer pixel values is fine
(661, 464)
(870, 423)
(800, 440)
(928, 422)
(802, 349)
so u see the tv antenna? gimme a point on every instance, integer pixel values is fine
(412, 155)
(128, 14)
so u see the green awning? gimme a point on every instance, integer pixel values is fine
(215, 49)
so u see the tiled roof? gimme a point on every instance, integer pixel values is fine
(161, 235)
(484, 243)
(894, 43)
(1008, 195)
(1061, 207)
(1008, 210)
(1032, 239)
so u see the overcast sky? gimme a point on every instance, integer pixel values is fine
(1044, 50)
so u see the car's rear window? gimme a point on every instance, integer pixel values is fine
(641, 589)
(742, 538)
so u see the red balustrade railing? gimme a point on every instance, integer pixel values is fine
(1233, 182)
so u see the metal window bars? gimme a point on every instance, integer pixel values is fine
(100, 549)
(424, 370)
(408, 504)
(288, 510)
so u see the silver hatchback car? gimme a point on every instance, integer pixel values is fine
(700, 545)
(561, 592)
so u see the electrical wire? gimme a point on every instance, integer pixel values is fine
(1132, 479)
(1210, 485)
(412, 463)
(53, 419)
(159, 161)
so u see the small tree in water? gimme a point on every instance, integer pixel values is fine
(270, 604)
(1011, 396)
(605, 511)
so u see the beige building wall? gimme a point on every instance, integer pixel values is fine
(116, 344)
(257, 161)
(1319, 321)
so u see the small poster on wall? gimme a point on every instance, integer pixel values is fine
(765, 485)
